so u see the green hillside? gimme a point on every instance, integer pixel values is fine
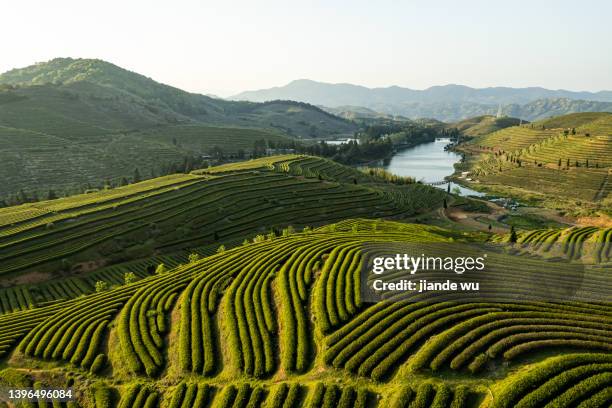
(105, 81)
(69, 125)
(483, 125)
(189, 210)
(279, 321)
(568, 157)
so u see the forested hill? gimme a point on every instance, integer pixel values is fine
(69, 125)
(121, 99)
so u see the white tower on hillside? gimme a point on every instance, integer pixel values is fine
(499, 112)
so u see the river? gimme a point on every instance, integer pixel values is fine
(429, 163)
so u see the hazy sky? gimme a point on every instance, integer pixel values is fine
(226, 46)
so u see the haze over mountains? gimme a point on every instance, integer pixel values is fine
(446, 103)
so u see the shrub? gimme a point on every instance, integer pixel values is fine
(129, 277)
(101, 286)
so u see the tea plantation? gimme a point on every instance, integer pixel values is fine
(564, 162)
(279, 322)
(241, 286)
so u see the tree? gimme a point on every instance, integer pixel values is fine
(161, 269)
(22, 197)
(101, 286)
(137, 177)
(221, 249)
(51, 195)
(513, 237)
(129, 277)
(288, 231)
(259, 238)
(193, 257)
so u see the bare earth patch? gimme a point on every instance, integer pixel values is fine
(30, 278)
(603, 221)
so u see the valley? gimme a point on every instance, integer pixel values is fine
(162, 249)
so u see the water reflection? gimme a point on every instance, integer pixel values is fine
(429, 163)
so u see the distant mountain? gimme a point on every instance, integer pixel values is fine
(447, 103)
(545, 108)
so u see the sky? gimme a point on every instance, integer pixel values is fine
(224, 47)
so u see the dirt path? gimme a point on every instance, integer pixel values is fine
(477, 220)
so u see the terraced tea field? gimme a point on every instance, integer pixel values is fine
(38, 162)
(213, 205)
(280, 321)
(564, 162)
(575, 243)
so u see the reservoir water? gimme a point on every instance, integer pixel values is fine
(429, 163)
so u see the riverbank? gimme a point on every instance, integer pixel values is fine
(429, 163)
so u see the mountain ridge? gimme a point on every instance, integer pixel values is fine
(177, 105)
(438, 91)
(448, 103)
